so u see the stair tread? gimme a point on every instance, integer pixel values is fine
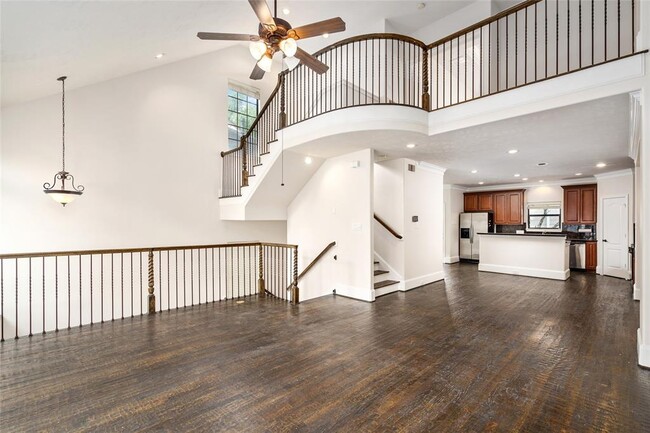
(380, 272)
(380, 284)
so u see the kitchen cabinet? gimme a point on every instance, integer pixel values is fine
(580, 204)
(508, 206)
(485, 202)
(471, 202)
(500, 211)
(515, 207)
(591, 256)
(588, 205)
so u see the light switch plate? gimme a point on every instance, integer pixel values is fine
(356, 227)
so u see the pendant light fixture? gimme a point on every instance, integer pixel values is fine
(63, 195)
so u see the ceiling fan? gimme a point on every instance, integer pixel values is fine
(277, 35)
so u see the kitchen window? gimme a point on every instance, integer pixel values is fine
(243, 106)
(544, 216)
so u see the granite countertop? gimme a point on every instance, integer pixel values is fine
(546, 235)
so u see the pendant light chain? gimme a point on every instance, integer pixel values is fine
(63, 122)
(61, 194)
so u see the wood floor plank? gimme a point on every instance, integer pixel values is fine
(477, 352)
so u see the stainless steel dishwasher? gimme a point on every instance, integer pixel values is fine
(577, 258)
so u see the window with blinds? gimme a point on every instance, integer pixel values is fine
(544, 216)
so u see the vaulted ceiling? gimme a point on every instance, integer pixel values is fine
(94, 41)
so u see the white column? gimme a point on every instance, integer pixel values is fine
(644, 194)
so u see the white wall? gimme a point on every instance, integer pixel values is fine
(454, 205)
(615, 184)
(638, 227)
(400, 195)
(424, 239)
(389, 206)
(644, 194)
(336, 205)
(454, 22)
(146, 147)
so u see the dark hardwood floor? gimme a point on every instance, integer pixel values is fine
(479, 352)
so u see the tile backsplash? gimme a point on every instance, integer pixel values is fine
(580, 231)
(510, 229)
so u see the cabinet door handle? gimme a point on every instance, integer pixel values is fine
(604, 240)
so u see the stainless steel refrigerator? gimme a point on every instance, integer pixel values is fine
(470, 225)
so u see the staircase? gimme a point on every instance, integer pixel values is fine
(383, 281)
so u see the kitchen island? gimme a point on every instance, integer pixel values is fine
(533, 255)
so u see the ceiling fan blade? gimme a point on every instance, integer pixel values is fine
(257, 74)
(263, 13)
(332, 25)
(311, 61)
(226, 37)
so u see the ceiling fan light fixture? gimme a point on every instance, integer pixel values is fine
(265, 63)
(291, 62)
(289, 47)
(257, 49)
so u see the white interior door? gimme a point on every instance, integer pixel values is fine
(615, 235)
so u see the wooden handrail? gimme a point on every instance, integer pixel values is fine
(139, 250)
(371, 36)
(318, 257)
(484, 22)
(387, 227)
(259, 115)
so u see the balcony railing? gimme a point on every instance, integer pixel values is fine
(44, 292)
(530, 42)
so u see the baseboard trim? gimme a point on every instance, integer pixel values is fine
(393, 273)
(643, 350)
(527, 272)
(354, 292)
(422, 280)
(636, 292)
(451, 259)
(387, 290)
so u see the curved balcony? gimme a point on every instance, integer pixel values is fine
(531, 42)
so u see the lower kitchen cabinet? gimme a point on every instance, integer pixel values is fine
(591, 256)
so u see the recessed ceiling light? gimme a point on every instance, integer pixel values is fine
(410, 145)
(517, 175)
(286, 11)
(326, 35)
(578, 174)
(601, 165)
(474, 171)
(541, 181)
(159, 55)
(481, 183)
(542, 164)
(421, 5)
(525, 178)
(512, 151)
(308, 160)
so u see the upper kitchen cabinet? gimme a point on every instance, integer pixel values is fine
(471, 202)
(508, 206)
(580, 203)
(485, 202)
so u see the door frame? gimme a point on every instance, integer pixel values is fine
(601, 248)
